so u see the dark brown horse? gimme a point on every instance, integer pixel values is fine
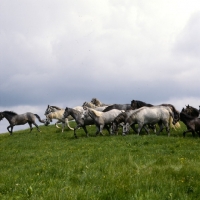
(192, 123)
(191, 111)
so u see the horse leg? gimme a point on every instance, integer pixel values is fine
(11, 128)
(108, 129)
(30, 125)
(167, 124)
(56, 124)
(140, 126)
(63, 126)
(160, 127)
(187, 131)
(67, 122)
(84, 128)
(75, 131)
(101, 129)
(146, 129)
(35, 126)
(97, 130)
(133, 127)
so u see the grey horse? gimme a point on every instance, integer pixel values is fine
(15, 119)
(150, 115)
(121, 119)
(77, 115)
(101, 119)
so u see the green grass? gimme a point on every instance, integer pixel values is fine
(55, 165)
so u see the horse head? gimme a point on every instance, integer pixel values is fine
(85, 112)
(66, 112)
(134, 104)
(47, 121)
(48, 110)
(96, 102)
(1, 116)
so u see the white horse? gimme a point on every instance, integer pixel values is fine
(101, 119)
(54, 112)
(150, 115)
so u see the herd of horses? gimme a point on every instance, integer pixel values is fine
(113, 116)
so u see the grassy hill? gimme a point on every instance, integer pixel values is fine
(55, 165)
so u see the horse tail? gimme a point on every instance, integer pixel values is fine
(67, 122)
(42, 121)
(171, 122)
(171, 119)
(172, 125)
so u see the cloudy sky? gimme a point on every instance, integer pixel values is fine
(66, 52)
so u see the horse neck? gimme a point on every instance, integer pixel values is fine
(195, 111)
(74, 113)
(55, 115)
(90, 105)
(120, 118)
(130, 119)
(93, 113)
(7, 116)
(185, 117)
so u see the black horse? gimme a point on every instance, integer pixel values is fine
(15, 119)
(192, 123)
(194, 112)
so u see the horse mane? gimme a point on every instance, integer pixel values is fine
(58, 108)
(140, 104)
(193, 111)
(89, 104)
(186, 116)
(10, 112)
(120, 117)
(96, 102)
(97, 113)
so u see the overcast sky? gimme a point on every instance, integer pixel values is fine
(66, 52)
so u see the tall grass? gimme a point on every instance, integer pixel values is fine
(55, 165)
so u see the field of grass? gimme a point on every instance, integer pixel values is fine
(55, 165)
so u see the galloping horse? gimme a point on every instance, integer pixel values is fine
(192, 123)
(77, 115)
(96, 102)
(121, 119)
(191, 111)
(150, 115)
(54, 112)
(138, 104)
(15, 119)
(101, 119)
